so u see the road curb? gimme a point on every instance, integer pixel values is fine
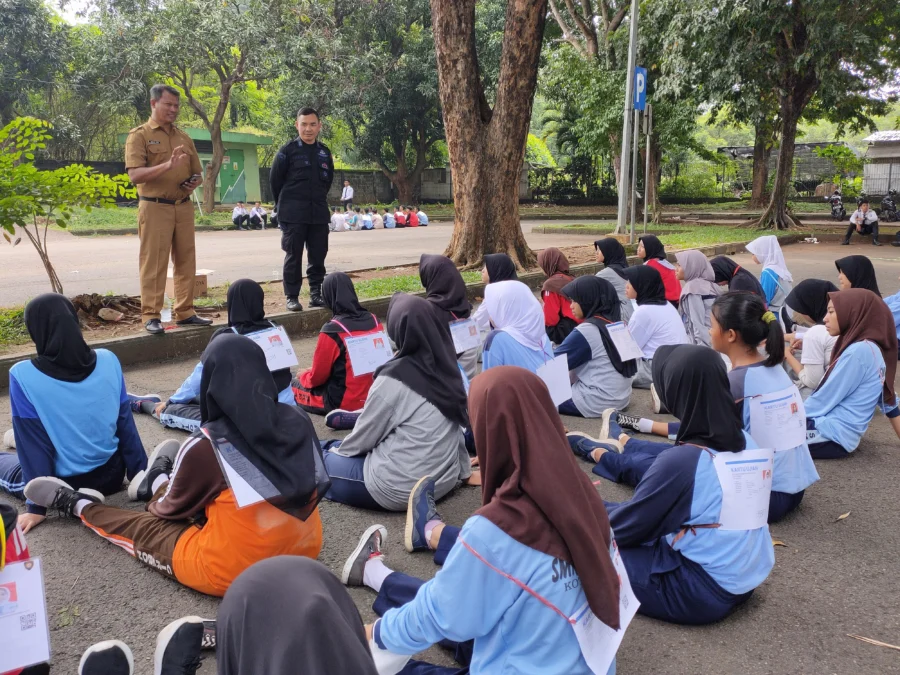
(183, 342)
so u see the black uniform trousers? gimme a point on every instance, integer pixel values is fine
(867, 229)
(294, 236)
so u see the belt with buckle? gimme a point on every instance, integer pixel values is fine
(160, 200)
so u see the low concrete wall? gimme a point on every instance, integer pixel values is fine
(185, 342)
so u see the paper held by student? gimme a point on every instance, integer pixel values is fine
(277, 347)
(746, 481)
(555, 374)
(778, 420)
(24, 632)
(368, 352)
(465, 335)
(247, 482)
(621, 337)
(598, 642)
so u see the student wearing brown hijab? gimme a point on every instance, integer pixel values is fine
(860, 377)
(558, 318)
(529, 537)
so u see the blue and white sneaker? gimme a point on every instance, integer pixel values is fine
(582, 445)
(420, 509)
(342, 420)
(136, 399)
(610, 427)
(111, 657)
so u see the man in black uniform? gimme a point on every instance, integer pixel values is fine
(300, 177)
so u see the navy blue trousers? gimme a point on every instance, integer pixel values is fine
(348, 483)
(106, 478)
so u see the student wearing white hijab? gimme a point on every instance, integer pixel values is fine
(776, 279)
(518, 338)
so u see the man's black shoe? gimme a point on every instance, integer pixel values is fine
(293, 305)
(315, 299)
(154, 327)
(875, 241)
(194, 321)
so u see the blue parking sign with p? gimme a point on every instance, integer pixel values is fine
(640, 88)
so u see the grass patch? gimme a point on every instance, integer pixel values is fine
(126, 218)
(407, 283)
(12, 326)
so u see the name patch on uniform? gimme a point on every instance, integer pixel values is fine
(323, 153)
(153, 142)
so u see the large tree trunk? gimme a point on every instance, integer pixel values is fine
(487, 147)
(762, 149)
(776, 214)
(213, 168)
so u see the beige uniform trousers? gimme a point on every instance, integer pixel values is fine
(165, 229)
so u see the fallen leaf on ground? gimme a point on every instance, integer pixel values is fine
(842, 516)
(777, 542)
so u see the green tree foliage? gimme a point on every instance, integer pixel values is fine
(31, 199)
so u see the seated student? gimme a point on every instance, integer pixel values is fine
(400, 217)
(412, 218)
(683, 567)
(351, 221)
(445, 289)
(857, 271)
(518, 337)
(558, 318)
(497, 267)
(241, 412)
(337, 221)
(652, 251)
(775, 279)
(860, 376)
(330, 387)
(412, 422)
(423, 218)
(893, 303)
(71, 413)
(863, 221)
(729, 273)
(527, 530)
(654, 323)
(240, 216)
(809, 303)
(697, 295)
(612, 254)
(258, 216)
(246, 316)
(389, 222)
(367, 223)
(600, 379)
(377, 220)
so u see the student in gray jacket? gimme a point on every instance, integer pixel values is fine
(412, 423)
(697, 294)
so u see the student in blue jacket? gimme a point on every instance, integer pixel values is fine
(740, 322)
(70, 409)
(528, 533)
(683, 566)
(776, 279)
(518, 338)
(860, 377)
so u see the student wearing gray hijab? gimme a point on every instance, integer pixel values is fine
(697, 294)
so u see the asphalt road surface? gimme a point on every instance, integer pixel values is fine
(832, 577)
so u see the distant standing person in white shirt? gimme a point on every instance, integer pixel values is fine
(240, 217)
(258, 216)
(347, 196)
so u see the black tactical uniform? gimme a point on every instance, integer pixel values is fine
(300, 178)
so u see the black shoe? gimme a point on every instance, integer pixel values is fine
(107, 658)
(154, 327)
(194, 321)
(846, 242)
(293, 305)
(161, 461)
(178, 647)
(315, 298)
(54, 493)
(896, 242)
(875, 242)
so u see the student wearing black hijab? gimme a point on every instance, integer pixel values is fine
(612, 254)
(857, 271)
(654, 323)
(70, 411)
(600, 379)
(729, 273)
(329, 386)
(684, 564)
(809, 304)
(651, 250)
(246, 316)
(498, 267)
(413, 419)
(445, 289)
(196, 529)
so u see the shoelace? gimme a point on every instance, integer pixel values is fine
(191, 667)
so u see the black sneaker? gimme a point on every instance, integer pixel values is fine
(178, 647)
(111, 657)
(846, 242)
(875, 242)
(315, 299)
(194, 321)
(293, 305)
(369, 546)
(154, 327)
(628, 421)
(54, 493)
(342, 420)
(161, 461)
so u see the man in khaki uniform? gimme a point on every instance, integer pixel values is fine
(162, 162)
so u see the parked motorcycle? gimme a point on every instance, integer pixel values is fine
(837, 206)
(889, 207)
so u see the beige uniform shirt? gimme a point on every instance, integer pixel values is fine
(150, 145)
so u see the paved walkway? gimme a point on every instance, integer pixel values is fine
(109, 263)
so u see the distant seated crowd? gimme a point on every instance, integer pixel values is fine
(351, 219)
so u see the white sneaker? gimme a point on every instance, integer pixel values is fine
(9, 440)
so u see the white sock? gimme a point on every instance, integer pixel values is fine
(645, 426)
(161, 479)
(79, 505)
(429, 528)
(375, 572)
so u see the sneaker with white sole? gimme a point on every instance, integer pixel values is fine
(111, 657)
(9, 440)
(632, 422)
(54, 493)
(369, 547)
(420, 509)
(582, 445)
(160, 463)
(342, 420)
(658, 406)
(178, 647)
(135, 400)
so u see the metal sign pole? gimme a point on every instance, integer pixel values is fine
(634, 170)
(648, 118)
(625, 158)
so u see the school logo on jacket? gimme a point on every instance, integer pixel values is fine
(563, 570)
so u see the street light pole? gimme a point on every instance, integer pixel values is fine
(625, 160)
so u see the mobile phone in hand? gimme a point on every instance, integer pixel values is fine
(191, 179)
